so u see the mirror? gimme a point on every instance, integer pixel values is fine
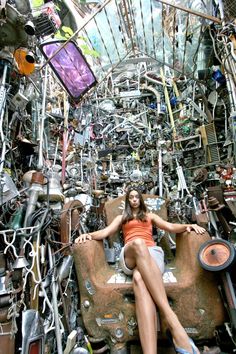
(70, 66)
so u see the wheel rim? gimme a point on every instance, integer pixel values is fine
(216, 255)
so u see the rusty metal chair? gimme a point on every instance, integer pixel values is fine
(107, 302)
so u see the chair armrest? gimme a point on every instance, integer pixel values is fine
(90, 261)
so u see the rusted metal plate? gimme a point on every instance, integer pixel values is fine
(69, 219)
(196, 293)
(107, 308)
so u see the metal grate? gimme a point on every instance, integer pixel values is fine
(229, 9)
(212, 151)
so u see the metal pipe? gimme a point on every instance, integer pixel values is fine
(40, 160)
(167, 99)
(31, 205)
(196, 13)
(231, 84)
(160, 173)
(156, 93)
(181, 180)
(55, 304)
(231, 87)
(230, 296)
(129, 26)
(2, 111)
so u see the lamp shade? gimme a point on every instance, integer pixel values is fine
(24, 66)
(70, 66)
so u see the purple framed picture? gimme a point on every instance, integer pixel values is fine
(70, 66)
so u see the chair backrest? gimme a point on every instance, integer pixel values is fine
(114, 207)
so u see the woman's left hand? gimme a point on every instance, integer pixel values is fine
(198, 229)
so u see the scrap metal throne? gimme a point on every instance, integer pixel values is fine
(106, 294)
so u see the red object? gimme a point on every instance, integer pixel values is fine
(35, 347)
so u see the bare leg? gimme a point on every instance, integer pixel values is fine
(137, 255)
(146, 315)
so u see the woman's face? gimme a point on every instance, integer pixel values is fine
(134, 199)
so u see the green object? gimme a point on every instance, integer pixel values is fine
(64, 33)
(89, 348)
(36, 3)
(88, 345)
(16, 221)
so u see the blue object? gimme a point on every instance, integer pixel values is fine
(173, 101)
(153, 105)
(181, 350)
(184, 351)
(218, 76)
(163, 108)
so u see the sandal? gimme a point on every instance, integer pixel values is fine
(181, 350)
(184, 351)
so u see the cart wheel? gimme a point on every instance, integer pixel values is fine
(216, 255)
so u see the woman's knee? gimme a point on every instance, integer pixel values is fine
(137, 278)
(139, 246)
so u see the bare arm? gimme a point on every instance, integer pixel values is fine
(175, 228)
(101, 234)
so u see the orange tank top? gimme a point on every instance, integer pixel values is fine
(138, 229)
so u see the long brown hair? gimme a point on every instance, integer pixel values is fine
(128, 215)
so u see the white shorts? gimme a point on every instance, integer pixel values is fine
(157, 254)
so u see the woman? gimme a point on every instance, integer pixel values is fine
(142, 258)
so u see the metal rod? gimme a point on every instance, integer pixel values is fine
(174, 44)
(156, 93)
(163, 34)
(196, 13)
(152, 22)
(230, 82)
(130, 4)
(144, 35)
(160, 173)
(55, 304)
(129, 26)
(167, 99)
(31, 205)
(185, 42)
(40, 159)
(2, 113)
(125, 36)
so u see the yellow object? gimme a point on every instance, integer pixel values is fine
(135, 155)
(23, 66)
(37, 3)
(167, 100)
(88, 345)
(8, 171)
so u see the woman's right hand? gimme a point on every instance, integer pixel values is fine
(83, 238)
